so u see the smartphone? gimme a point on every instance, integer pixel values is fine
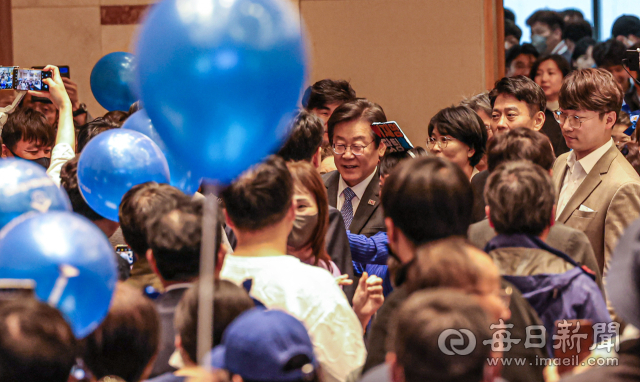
(632, 57)
(126, 253)
(64, 70)
(30, 79)
(6, 77)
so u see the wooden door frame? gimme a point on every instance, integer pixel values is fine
(493, 41)
(6, 35)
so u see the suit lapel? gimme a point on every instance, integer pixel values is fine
(558, 176)
(331, 183)
(589, 183)
(368, 204)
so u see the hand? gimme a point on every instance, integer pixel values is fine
(344, 280)
(368, 297)
(57, 92)
(72, 91)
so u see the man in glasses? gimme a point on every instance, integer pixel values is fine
(353, 188)
(598, 190)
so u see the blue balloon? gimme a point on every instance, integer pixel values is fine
(112, 79)
(112, 163)
(181, 177)
(218, 79)
(70, 260)
(25, 187)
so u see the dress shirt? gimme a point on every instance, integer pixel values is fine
(61, 154)
(576, 173)
(358, 189)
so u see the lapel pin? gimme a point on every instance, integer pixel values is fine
(372, 202)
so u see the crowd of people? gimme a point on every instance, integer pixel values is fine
(489, 254)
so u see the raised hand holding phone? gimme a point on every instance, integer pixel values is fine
(57, 92)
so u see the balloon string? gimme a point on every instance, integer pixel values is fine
(66, 272)
(208, 253)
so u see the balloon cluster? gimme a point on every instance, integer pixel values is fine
(218, 80)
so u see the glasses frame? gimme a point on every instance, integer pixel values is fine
(558, 113)
(431, 142)
(350, 147)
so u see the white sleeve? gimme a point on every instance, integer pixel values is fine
(61, 154)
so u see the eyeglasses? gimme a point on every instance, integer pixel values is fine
(442, 142)
(575, 122)
(355, 149)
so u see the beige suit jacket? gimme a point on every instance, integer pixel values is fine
(612, 191)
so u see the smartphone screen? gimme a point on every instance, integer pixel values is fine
(6, 77)
(31, 79)
(64, 70)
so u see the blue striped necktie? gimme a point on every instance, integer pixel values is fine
(347, 216)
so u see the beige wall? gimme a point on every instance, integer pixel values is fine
(413, 57)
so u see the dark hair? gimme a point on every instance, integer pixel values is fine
(306, 176)
(359, 109)
(581, 47)
(28, 125)
(139, 204)
(609, 53)
(511, 29)
(521, 197)
(572, 13)
(509, 15)
(591, 89)
(428, 199)
(577, 30)
(327, 91)
(391, 159)
(229, 302)
(416, 330)
(446, 263)
(524, 89)
(69, 181)
(116, 116)
(128, 338)
(463, 124)
(89, 130)
(517, 50)
(545, 16)
(520, 144)
(560, 61)
(36, 343)
(305, 137)
(261, 196)
(174, 237)
(626, 25)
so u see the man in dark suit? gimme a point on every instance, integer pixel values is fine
(354, 187)
(174, 256)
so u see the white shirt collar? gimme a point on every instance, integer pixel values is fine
(359, 188)
(561, 48)
(177, 286)
(590, 160)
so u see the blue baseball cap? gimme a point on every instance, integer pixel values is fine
(259, 344)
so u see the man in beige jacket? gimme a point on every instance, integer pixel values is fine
(598, 190)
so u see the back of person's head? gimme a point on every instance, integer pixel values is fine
(36, 343)
(139, 204)
(577, 30)
(69, 181)
(174, 237)
(415, 333)
(560, 61)
(524, 89)
(520, 144)
(28, 125)
(229, 302)
(127, 340)
(521, 198)
(267, 346)
(626, 25)
(551, 18)
(511, 29)
(509, 15)
(572, 14)
(428, 199)
(89, 130)
(326, 92)
(359, 109)
(391, 159)
(581, 48)
(609, 53)
(463, 124)
(305, 138)
(260, 197)
(116, 116)
(592, 90)
(479, 102)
